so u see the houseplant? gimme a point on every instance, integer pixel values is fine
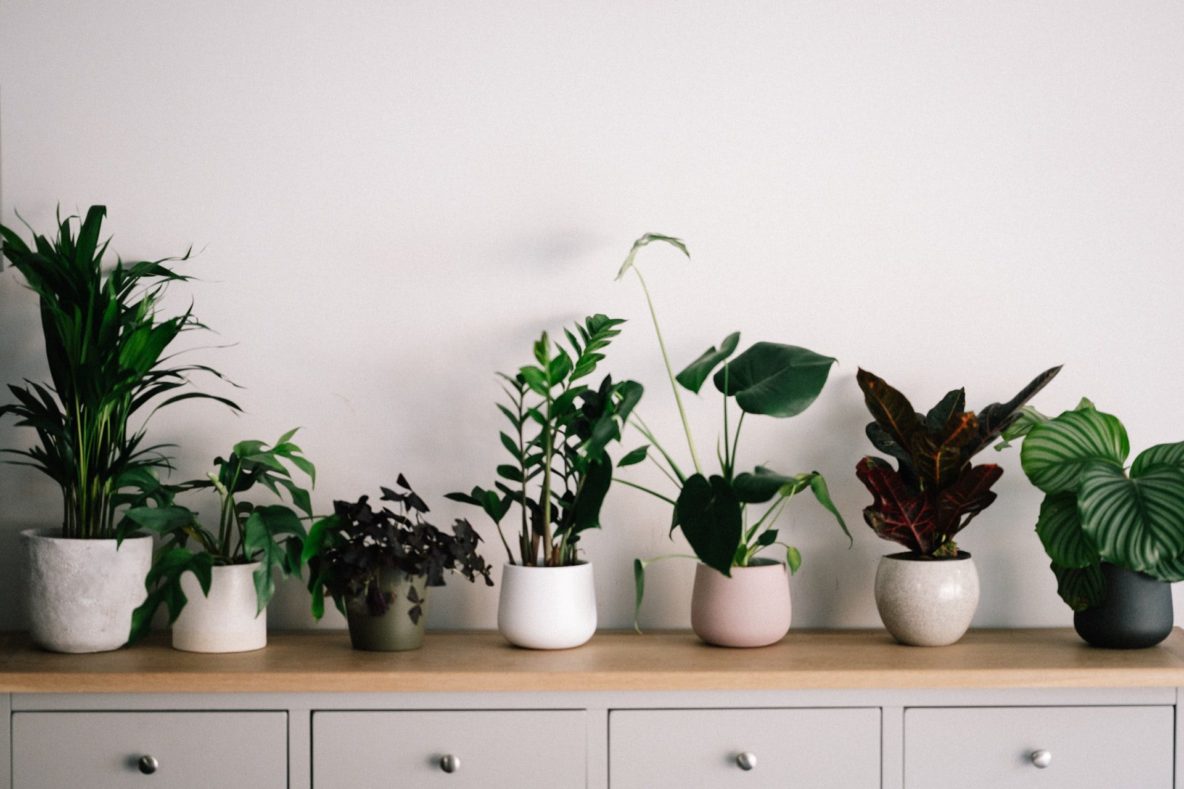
(106, 345)
(927, 595)
(739, 598)
(1115, 535)
(231, 566)
(376, 566)
(558, 477)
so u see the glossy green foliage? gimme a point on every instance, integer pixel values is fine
(560, 430)
(106, 344)
(1095, 510)
(271, 534)
(934, 492)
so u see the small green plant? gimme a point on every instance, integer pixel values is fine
(560, 430)
(247, 532)
(106, 344)
(934, 492)
(1095, 509)
(349, 552)
(768, 379)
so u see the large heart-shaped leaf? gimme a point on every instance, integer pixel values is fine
(1137, 523)
(1055, 452)
(764, 483)
(695, 373)
(1059, 529)
(709, 514)
(774, 379)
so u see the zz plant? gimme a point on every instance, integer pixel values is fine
(107, 347)
(711, 509)
(1095, 508)
(934, 492)
(271, 534)
(560, 429)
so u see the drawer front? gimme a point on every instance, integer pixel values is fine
(102, 750)
(803, 748)
(495, 748)
(993, 747)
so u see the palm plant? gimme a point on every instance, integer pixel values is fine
(105, 343)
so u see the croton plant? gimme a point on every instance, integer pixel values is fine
(935, 491)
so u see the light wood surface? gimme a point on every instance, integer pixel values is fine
(482, 661)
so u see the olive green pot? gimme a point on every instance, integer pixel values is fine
(393, 631)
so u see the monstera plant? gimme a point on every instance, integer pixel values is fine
(935, 491)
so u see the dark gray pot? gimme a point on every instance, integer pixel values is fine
(1136, 613)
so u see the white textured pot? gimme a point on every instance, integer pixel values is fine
(926, 602)
(748, 609)
(82, 593)
(547, 607)
(226, 621)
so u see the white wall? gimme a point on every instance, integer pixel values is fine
(392, 198)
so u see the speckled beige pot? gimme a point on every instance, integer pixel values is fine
(749, 609)
(926, 602)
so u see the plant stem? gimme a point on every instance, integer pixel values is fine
(644, 489)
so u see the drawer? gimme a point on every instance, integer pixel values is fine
(802, 748)
(1110, 747)
(99, 750)
(495, 748)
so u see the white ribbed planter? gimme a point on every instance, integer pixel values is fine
(748, 609)
(82, 593)
(926, 602)
(226, 621)
(547, 607)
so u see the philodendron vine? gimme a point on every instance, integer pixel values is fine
(711, 509)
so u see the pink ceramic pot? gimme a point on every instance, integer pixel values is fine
(749, 609)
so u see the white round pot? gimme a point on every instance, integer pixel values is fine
(225, 621)
(926, 602)
(748, 609)
(547, 607)
(82, 593)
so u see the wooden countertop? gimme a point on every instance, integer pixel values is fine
(317, 661)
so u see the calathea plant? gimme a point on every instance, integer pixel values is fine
(350, 552)
(107, 348)
(247, 532)
(1095, 509)
(558, 439)
(934, 492)
(711, 509)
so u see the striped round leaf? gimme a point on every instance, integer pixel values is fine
(1171, 571)
(1056, 451)
(1059, 528)
(1137, 523)
(1160, 454)
(1082, 588)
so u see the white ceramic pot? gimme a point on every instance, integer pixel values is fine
(226, 621)
(547, 607)
(926, 602)
(82, 593)
(749, 609)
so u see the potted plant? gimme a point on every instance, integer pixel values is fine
(106, 345)
(377, 566)
(740, 599)
(1115, 535)
(927, 595)
(216, 583)
(558, 477)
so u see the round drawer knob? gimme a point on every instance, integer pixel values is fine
(746, 760)
(148, 764)
(449, 763)
(1041, 758)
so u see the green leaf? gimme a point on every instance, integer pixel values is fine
(634, 457)
(793, 558)
(1136, 523)
(586, 507)
(1059, 529)
(822, 493)
(1056, 452)
(763, 484)
(1160, 454)
(638, 590)
(1081, 588)
(650, 238)
(709, 514)
(773, 379)
(697, 372)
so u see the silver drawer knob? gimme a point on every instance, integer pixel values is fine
(746, 760)
(449, 763)
(1041, 758)
(147, 764)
